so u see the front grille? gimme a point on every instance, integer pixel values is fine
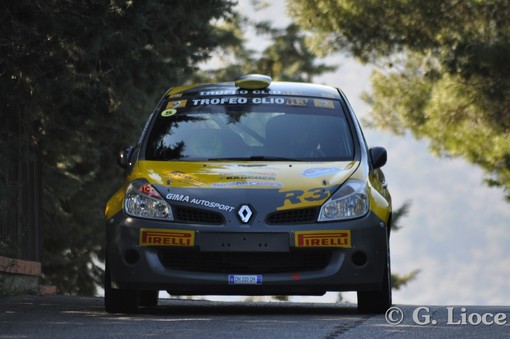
(245, 263)
(296, 216)
(197, 216)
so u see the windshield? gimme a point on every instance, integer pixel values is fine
(304, 132)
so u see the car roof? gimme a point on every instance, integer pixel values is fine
(275, 88)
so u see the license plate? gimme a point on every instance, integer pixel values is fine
(245, 279)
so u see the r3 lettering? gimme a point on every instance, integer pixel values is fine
(316, 194)
(308, 198)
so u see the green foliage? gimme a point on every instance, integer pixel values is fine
(80, 78)
(286, 58)
(280, 297)
(443, 69)
(399, 281)
(448, 113)
(398, 214)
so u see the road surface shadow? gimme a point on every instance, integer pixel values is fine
(205, 307)
(95, 305)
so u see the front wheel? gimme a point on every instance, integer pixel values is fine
(377, 301)
(118, 301)
(149, 298)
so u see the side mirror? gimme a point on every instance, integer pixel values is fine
(379, 156)
(124, 156)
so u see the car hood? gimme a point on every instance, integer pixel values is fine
(227, 185)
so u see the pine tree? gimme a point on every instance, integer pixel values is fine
(79, 79)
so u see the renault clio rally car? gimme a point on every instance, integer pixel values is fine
(250, 187)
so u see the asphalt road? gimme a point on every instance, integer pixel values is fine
(84, 317)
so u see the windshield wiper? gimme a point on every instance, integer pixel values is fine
(255, 158)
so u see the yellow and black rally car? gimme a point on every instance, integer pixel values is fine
(250, 187)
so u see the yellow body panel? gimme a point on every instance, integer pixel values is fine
(305, 182)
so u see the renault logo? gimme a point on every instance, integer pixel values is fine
(245, 213)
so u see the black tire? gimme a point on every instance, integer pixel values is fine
(378, 301)
(149, 298)
(118, 301)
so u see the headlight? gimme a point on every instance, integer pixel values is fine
(142, 200)
(350, 201)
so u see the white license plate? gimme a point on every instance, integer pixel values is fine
(245, 279)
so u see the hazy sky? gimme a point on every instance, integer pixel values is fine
(457, 232)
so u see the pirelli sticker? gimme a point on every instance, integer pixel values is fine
(166, 237)
(323, 238)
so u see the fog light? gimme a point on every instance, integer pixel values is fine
(131, 256)
(359, 258)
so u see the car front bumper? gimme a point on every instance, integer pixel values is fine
(245, 261)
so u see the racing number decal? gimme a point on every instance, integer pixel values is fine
(304, 198)
(316, 194)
